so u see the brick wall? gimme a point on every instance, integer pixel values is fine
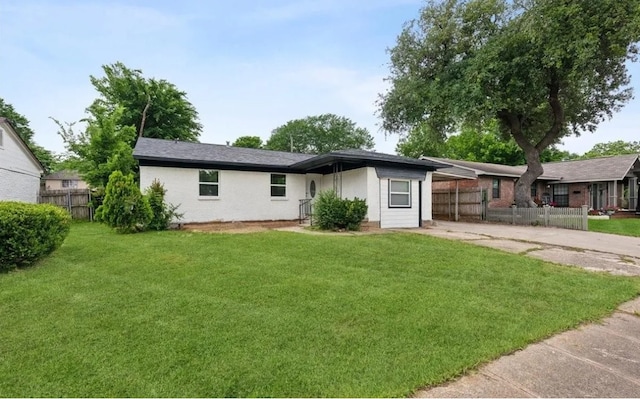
(578, 195)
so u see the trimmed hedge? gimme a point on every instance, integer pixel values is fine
(29, 232)
(334, 213)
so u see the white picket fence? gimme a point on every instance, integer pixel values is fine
(566, 218)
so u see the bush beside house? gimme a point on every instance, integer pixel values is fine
(29, 232)
(334, 213)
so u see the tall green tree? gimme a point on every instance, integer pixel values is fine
(248, 142)
(21, 125)
(618, 147)
(156, 108)
(102, 148)
(543, 68)
(319, 135)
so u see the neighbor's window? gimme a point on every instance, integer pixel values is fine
(399, 194)
(209, 183)
(561, 195)
(278, 185)
(534, 190)
(495, 193)
(69, 184)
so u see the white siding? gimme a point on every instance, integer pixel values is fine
(361, 183)
(19, 173)
(243, 196)
(427, 213)
(373, 195)
(398, 217)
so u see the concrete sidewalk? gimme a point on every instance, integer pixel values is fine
(596, 360)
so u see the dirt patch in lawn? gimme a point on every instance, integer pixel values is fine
(284, 225)
(238, 227)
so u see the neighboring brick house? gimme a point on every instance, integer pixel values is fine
(598, 183)
(497, 180)
(64, 180)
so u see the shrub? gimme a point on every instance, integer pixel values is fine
(30, 231)
(333, 213)
(162, 212)
(124, 207)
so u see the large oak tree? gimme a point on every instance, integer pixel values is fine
(543, 68)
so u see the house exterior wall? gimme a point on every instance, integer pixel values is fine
(507, 188)
(398, 217)
(361, 183)
(578, 195)
(427, 208)
(243, 196)
(57, 185)
(19, 173)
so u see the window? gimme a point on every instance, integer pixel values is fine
(69, 184)
(278, 185)
(561, 195)
(495, 192)
(399, 194)
(312, 189)
(209, 183)
(534, 190)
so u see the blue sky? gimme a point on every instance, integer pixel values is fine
(247, 66)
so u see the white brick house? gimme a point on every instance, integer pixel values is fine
(20, 170)
(222, 183)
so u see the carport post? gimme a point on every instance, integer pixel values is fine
(457, 200)
(585, 217)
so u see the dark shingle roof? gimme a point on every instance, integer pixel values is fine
(596, 169)
(187, 152)
(587, 170)
(158, 150)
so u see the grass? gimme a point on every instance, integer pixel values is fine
(177, 314)
(625, 227)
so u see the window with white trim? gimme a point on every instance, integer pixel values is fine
(278, 185)
(209, 181)
(399, 193)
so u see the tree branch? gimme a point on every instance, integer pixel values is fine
(144, 114)
(558, 115)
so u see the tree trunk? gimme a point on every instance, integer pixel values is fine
(534, 170)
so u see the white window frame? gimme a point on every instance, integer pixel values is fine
(272, 185)
(207, 183)
(407, 193)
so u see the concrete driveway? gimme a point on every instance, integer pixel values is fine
(593, 251)
(596, 360)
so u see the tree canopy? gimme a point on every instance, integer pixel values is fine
(156, 108)
(248, 142)
(543, 68)
(128, 106)
(618, 147)
(319, 135)
(479, 145)
(21, 125)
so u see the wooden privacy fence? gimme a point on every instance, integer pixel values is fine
(453, 204)
(566, 218)
(76, 201)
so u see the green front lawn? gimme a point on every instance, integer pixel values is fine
(277, 314)
(625, 227)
